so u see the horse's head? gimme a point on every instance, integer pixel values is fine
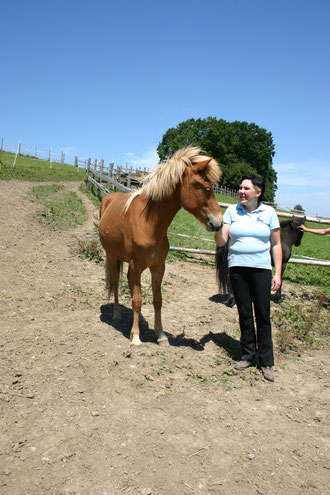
(197, 195)
(296, 222)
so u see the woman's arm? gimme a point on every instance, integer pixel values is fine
(276, 247)
(314, 231)
(221, 236)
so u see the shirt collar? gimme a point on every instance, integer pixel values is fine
(260, 207)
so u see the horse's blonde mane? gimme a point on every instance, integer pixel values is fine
(161, 183)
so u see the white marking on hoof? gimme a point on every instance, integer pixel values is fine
(135, 341)
(163, 340)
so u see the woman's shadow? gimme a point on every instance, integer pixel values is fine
(230, 345)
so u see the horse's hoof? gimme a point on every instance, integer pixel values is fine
(136, 348)
(135, 343)
(163, 342)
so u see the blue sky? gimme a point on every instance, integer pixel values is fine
(106, 79)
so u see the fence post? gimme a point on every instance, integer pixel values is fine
(76, 161)
(19, 148)
(51, 158)
(62, 157)
(35, 152)
(17, 152)
(101, 166)
(87, 172)
(1, 144)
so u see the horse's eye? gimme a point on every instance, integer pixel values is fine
(208, 191)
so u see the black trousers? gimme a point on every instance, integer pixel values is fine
(252, 285)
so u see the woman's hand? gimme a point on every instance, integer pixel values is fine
(275, 240)
(276, 282)
(221, 236)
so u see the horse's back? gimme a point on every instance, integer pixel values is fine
(116, 200)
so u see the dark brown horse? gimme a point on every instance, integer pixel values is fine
(133, 227)
(290, 235)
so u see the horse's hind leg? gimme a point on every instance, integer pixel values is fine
(157, 274)
(112, 268)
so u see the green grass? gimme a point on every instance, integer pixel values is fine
(301, 322)
(59, 208)
(311, 245)
(32, 169)
(314, 246)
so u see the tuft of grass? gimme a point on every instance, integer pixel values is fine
(91, 250)
(198, 376)
(59, 208)
(309, 484)
(301, 323)
(226, 384)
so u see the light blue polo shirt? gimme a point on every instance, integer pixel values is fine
(249, 235)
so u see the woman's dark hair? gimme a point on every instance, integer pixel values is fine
(256, 181)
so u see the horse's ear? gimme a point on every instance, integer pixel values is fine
(197, 167)
(298, 220)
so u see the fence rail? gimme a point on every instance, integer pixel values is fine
(92, 174)
(291, 260)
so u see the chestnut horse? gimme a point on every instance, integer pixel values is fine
(133, 228)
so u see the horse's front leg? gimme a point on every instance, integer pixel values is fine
(134, 280)
(157, 274)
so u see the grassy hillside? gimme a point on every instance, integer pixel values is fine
(32, 169)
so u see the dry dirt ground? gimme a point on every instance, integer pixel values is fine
(82, 414)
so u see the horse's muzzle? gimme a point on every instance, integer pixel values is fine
(213, 225)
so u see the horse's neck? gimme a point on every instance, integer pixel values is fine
(289, 237)
(162, 213)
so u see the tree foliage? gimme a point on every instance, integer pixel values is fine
(239, 147)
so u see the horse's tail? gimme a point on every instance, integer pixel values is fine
(112, 276)
(221, 259)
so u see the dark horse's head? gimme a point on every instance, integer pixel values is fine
(290, 232)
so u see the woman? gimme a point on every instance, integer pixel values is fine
(252, 229)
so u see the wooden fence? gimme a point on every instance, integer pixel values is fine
(114, 179)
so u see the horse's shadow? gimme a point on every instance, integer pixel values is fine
(230, 345)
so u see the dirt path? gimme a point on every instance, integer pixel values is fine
(82, 414)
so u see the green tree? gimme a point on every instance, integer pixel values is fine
(239, 147)
(299, 208)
